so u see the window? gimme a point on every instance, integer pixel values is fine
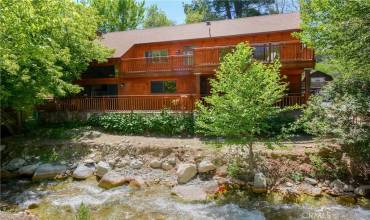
(100, 90)
(99, 72)
(163, 86)
(156, 56)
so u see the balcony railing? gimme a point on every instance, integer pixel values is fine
(211, 56)
(123, 103)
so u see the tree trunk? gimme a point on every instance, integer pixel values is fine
(228, 9)
(251, 158)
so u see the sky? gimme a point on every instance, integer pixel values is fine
(172, 8)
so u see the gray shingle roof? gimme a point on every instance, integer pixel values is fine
(124, 40)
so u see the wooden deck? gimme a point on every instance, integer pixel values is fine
(210, 57)
(147, 103)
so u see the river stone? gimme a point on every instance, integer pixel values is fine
(206, 166)
(155, 164)
(337, 186)
(362, 190)
(15, 164)
(259, 183)
(137, 183)
(172, 161)
(310, 181)
(48, 171)
(185, 172)
(28, 170)
(136, 164)
(190, 192)
(166, 166)
(82, 172)
(102, 168)
(113, 179)
(309, 189)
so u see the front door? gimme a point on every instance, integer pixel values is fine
(205, 87)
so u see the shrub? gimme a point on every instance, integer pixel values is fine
(164, 123)
(83, 213)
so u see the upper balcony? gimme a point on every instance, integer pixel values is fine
(206, 59)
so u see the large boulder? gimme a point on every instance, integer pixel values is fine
(259, 183)
(82, 172)
(28, 170)
(15, 164)
(186, 172)
(362, 190)
(113, 179)
(310, 181)
(309, 189)
(206, 166)
(102, 168)
(48, 171)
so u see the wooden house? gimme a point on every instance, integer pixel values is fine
(170, 67)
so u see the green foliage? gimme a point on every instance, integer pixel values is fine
(156, 18)
(163, 123)
(118, 15)
(208, 10)
(83, 213)
(341, 110)
(45, 45)
(243, 97)
(339, 30)
(327, 167)
(297, 176)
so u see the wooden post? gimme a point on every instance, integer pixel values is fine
(307, 86)
(197, 85)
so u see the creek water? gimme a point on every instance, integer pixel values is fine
(60, 200)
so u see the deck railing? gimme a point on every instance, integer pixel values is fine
(211, 56)
(123, 103)
(291, 100)
(184, 102)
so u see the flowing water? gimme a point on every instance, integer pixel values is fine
(60, 200)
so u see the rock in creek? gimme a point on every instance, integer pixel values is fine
(113, 179)
(28, 170)
(259, 183)
(15, 164)
(166, 166)
(206, 166)
(196, 192)
(155, 164)
(186, 172)
(82, 172)
(136, 164)
(48, 171)
(102, 168)
(362, 190)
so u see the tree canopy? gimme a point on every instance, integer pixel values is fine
(207, 10)
(45, 45)
(340, 31)
(156, 18)
(118, 15)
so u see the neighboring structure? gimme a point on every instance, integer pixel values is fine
(170, 67)
(318, 80)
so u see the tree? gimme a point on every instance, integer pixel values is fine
(156, 18)
(338, 30)
(242, 100)
(205, 10)
(45, 45)
(118, 15)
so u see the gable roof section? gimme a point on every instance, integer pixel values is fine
(122, 41)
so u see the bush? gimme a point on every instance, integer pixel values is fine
(164, 123)
(83, 213)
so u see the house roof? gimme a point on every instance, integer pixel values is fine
(122, 41)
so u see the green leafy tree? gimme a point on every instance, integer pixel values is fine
(207, 10)
(45, 45)
(242, 100)
(118, 15)
(156, 18)
(339, 30)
